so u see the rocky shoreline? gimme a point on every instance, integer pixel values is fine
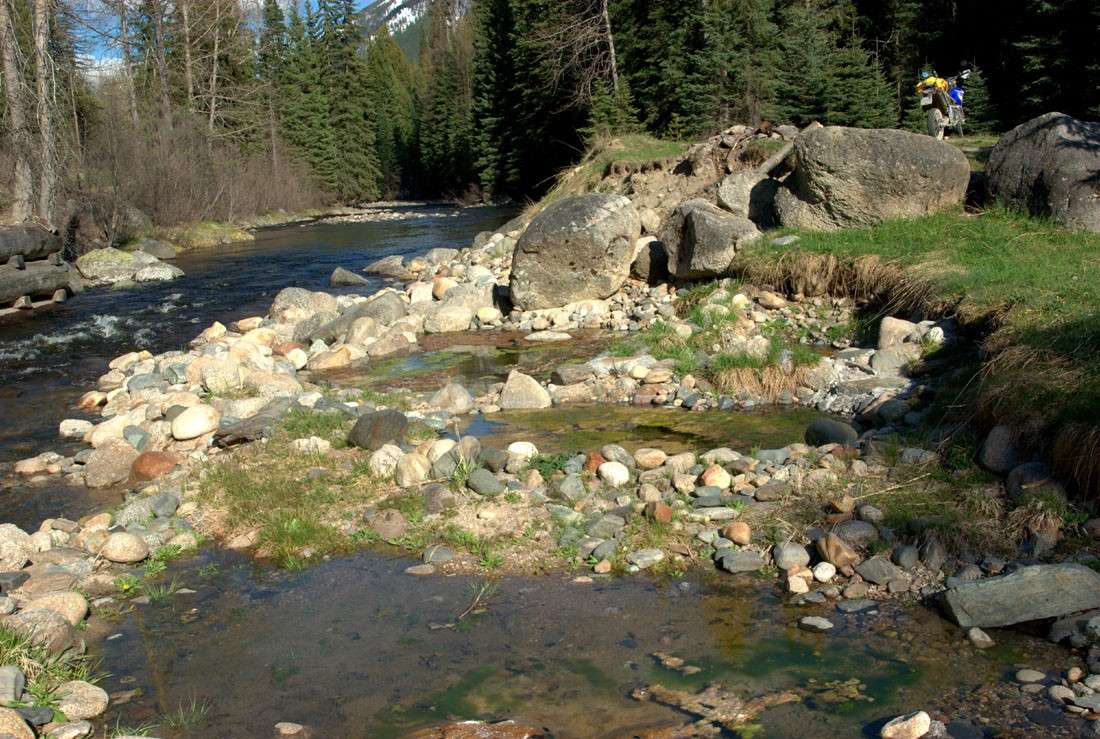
(184, 430)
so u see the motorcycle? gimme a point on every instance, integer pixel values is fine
(942, 102)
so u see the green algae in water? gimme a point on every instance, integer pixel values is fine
(451, 704)
(583, 427)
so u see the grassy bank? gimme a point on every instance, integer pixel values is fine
(1025, 285)
(631, 150)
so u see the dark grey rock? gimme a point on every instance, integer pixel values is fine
(495, 459)
(739, 561)
(376, 429)
(907, 557)
(438, 497)
(260, 426)
(1033, 480)
(9, 581)
(651, 263)
(822, 431)
(856, 533)
(570, 374)
(999, 452)
(790, 555)
(485, 483)
(1028, 594)
(878, 570)
(857, 605)
(1048, 167)
(608, 526)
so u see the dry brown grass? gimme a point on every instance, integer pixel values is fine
(768, 382)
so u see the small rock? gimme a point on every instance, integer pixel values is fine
(78, 700)
(485, 483)
(824, 572)
(194, 422)
(979, 638)
(614, 474)
(644, 558)
(1030, 676)
(787, 556)
(910, 726)
(124, 548)
(815, 623)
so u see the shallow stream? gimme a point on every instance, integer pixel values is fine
(354, 647)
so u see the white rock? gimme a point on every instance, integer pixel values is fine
(910, 726)
(312, 445)
(74, 429)
(194, 422)
(614, 474)
(824, 572)
(523, 450)
(383, 461)
(297, 357)
(439, 447)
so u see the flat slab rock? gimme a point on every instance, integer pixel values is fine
(1028, 594)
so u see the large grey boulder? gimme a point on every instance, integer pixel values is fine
(701, 239)
(577, 248)
(750, 194)
(858, 177)
(1050, 166)
(1028, 594)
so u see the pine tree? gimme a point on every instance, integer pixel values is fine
(740, 55)
(445, 131)
(392, 100)
(980, 115)
(494, 81)
(806, 56)
(610, 113)
(303, 105)
(352, 162)
(856, 91)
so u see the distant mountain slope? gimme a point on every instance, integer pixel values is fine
(400, 15)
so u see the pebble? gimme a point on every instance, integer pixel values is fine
(422, 570)
(824, 572)
(979, 638)
(1030, 676)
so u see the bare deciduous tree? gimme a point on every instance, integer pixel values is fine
(577, 48)
(22, 208)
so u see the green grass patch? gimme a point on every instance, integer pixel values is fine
(44, 672)
(297, 504)
(1031, 280)
(332, 426)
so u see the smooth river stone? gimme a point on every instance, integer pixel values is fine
(194, 422)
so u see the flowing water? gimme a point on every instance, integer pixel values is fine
(355, 648)
(49, 357)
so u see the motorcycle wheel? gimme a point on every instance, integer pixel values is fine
(935, 123)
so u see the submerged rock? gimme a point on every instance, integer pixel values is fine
(1028, 594)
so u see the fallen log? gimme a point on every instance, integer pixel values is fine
(29, 241)
(37, 278)
(780, 157)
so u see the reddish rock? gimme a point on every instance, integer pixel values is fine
(286, 348)
(593, 461)
(738, 532)
(836, 552)
(479, 730)
(658, 511)
(151, 465)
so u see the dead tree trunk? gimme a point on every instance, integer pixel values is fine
(188, 67)
(23, 186)
(43, 79)
(127, 59)
(162, 62)
(611, 48)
